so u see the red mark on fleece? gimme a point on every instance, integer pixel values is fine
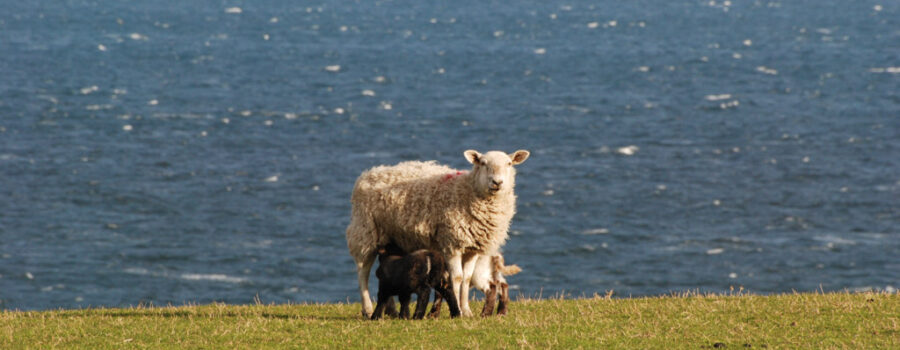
(449, 177)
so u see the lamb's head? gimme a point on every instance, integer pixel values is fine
(493, 172)
(389, 252)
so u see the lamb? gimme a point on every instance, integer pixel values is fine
(418, 273)
(424, 205)
(488, 278)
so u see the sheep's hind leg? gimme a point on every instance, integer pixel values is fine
(363, 268)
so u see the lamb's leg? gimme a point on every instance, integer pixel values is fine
(490, 299)
(363, 268)
(390, 308)
(423, 295)
(504, 299)
(436, 306)
(404, 305)
(446, 293)
(468, 262)
(382, 301)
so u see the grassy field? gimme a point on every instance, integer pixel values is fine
(816, 321)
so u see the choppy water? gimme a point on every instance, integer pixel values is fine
(173, 152)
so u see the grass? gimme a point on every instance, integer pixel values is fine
(818, 321)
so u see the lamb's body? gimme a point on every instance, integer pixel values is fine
(424, 205)
(418, 272)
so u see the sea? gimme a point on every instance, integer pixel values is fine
(189, 152)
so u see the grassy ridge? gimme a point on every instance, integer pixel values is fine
(838, 320)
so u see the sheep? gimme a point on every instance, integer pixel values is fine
(426, 205)
(488, 278)
(418, 273)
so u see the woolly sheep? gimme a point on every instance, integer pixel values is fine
(424, 205)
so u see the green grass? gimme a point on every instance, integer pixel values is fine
(817, 321)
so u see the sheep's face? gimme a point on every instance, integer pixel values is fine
(493, 171)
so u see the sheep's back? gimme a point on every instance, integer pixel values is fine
(401, 201)
(384, 176)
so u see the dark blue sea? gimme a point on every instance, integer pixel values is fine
(172, 152)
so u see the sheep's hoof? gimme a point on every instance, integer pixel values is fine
(466, 313)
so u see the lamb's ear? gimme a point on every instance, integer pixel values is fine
(519, 157)
(472, 156)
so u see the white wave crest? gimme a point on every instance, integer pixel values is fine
(215, 277)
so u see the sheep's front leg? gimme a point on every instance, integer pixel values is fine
(468, 262)
(456, 272)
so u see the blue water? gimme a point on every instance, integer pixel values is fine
(168, 152)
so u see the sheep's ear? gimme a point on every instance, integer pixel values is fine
(520, 156)
(472, 156)
(382, 251)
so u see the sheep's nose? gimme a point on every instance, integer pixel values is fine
(496, 182)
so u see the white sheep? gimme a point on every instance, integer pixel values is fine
(424, 205)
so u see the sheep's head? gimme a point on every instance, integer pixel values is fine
(493, 172)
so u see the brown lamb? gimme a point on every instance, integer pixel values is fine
(419, 272)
